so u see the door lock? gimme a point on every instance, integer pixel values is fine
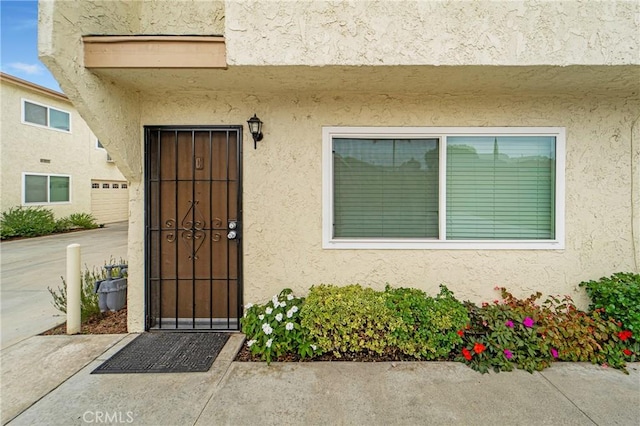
(232, 235)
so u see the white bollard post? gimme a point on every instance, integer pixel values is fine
(73, 288)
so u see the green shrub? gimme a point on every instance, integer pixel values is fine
(88, 297)
(26, 222)
(618, 297)
(63, 224)
(349, 319)
(83, 220)
(273, 329)
(431, 325)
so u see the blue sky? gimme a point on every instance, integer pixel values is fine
(19, 43)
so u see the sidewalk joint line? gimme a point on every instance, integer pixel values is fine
(567, 398)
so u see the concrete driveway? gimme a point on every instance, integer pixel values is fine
(29, 266)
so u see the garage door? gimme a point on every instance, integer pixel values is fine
(109, 200)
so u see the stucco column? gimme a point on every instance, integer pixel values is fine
(635, 190)
(111, 111)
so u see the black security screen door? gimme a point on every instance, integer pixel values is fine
(193, 227)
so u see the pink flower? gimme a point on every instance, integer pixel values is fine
(554, 353)
(508, 354)
(528, 322)
(509, 324)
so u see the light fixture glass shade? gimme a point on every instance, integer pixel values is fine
(255, 125)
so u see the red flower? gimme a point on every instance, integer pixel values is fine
(479, 348)
(466, 354)
(624, 335)
(460, 333)
(627, 352)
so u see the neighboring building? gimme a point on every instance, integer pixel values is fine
(50, 157)
(476, 144)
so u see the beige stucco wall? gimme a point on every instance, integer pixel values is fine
(69, 153)
(589, 50)
(283, 203)
(381, 32)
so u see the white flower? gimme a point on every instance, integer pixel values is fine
(279, 317)
(289, 326)
(261, 317)
(269, 342)
(267, 329)
(274, 299)
(283, 304)
(290, 297)
(251, 342)
(289, 313)
(294, 309)
(248, 306)
(314, 347)
(268, 311)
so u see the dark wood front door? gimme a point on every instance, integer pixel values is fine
(193, 228)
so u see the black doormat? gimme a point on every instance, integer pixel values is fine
(166, 353)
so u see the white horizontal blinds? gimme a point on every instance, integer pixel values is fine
(385, 188)
(500, 188)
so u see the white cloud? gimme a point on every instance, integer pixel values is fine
(31, 69)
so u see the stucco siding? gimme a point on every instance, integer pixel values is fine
(304, 65)
(283, 187)
(432, 32)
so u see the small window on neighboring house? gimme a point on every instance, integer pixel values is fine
(124, 186)
(115, 186)
(95, 185)
(45, 189)
(468, 188)
(105, 185)
(42, 115)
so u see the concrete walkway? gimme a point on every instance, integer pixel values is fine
(46, 380)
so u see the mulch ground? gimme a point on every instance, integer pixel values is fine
(245, 356)
(103, 323)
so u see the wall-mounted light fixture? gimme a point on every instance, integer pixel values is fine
(255, 127)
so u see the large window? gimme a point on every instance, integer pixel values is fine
(42, 115)
(443, 188)
(45, 189)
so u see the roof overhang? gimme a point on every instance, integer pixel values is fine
(607, 81)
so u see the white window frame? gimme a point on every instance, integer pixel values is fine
(47, 203)
(441, 133)
(49, 108)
